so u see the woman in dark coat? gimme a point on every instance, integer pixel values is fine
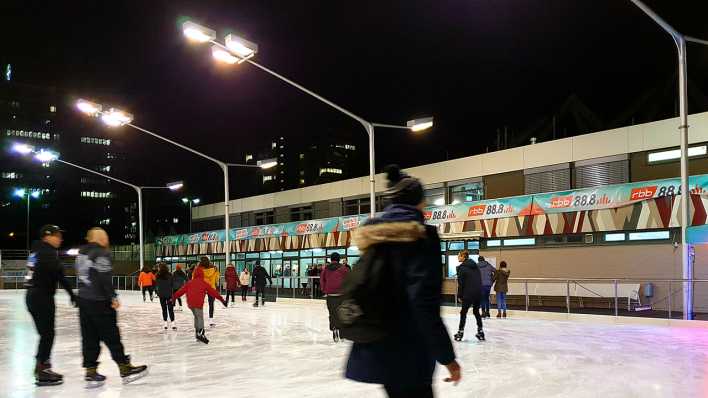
(165, 288)
(179, 278)
(404, 361)
(232, 283)
(501, 287)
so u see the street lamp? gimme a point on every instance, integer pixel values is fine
(48, 156)
(115, 118)
(239, 50)
(27, 194)
(189, 202)
(680, 40)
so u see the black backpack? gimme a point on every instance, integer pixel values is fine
(364, 311)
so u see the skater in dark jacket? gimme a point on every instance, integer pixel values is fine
(487, 271)
(195, 290)
(44, 272)
(179, 278)
(501, 287)
(98, 303)
(331, 281)
(165, 288)
(404, 360)
(469, 292)
(259, 281)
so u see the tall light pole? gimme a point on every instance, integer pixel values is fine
(27, 194)
(46, 156)
(238, 50)
(116, 118)
(189, 202)
(686, 263)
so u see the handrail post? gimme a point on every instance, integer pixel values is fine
(567, 295)
(670, 294)
(526, 294)
(616, 299)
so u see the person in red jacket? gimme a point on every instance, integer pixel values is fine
(195, 290)
(331, 285)
(232, 283)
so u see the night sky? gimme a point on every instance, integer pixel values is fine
(477, 66)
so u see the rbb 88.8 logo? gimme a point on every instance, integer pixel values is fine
(668, 191)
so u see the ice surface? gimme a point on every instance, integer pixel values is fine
(285, 350)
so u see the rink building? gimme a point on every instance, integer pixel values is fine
(599, 205)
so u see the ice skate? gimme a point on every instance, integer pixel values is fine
(263, 303)
(174, 326)
(335, 336)
(480, 335)
(255, 304)
(504, 314)
(131, 373)
(202, 337)
(45, 377)
(93, 378)
(459, 335)
(165, 326)
(499, 314)
(211, 323)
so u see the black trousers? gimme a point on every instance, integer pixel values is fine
(244, 292)
(40, 305)
(260, 290)
(409, 392)
(147, 289)
(99, 324)
(167, 309)
(211, 306)
(475, 310)
(231, 293)
(332, 303)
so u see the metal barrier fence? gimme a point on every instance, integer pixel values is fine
(655, 298)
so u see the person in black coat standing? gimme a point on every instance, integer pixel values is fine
(469, 292)
(259, 282)
(179, 278)
(404, 360)
(165, 289)
(44, 271)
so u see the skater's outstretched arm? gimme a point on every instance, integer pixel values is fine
(179, 293)
(213, 293)
(65, 283)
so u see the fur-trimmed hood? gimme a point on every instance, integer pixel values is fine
(387, 232)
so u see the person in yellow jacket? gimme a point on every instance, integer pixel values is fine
(146, 281)
(211, 277)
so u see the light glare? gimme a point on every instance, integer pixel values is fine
(116, 118)
(72, 252)
(20, 193)
(243, 48)
(417, 125)
(196, 201)
(45, 156)
(88, 107)
(222, 55)
(267, 164)
(35, 194)
(22, 149)
(198, 33)
(175, 186)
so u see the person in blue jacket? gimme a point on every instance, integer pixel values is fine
(404, 361)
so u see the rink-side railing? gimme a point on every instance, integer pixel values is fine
(656, 298)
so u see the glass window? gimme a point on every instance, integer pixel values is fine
(342, 252)
(452, 263)
(456, 245)
(353, 260)
(473, 245)
(291, 254)
(276, 254)
(435, 197)
(443, 246)
(466, 193)
(240, 255)
(353, 251)
(265, 255)
(305, 253)
(520, 242)
(494, 243)
(614, 237)
(649, 235)
(252, 255)
(318, 252)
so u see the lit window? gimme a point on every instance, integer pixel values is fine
(520, 242)
(615, 237)
(330, 170)
(302, 156)
(268, 178)
(249, 157)
(656, 235)
(96, 195)
(28, 134)
(96, 141)
(106, 221)
(676, 154)
(175, 221)
(52, 109)
(273, 145)
(493, 243)
(302, 181)
(347, 147)
(11, 175)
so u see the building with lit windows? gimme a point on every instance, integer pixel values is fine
(599, 205)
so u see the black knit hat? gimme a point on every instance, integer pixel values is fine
(402, 188)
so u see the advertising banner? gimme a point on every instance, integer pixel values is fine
(612, 196)
(485, 209)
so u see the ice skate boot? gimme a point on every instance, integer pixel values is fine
(45, 377)
(201, 336)
(174, 325)
(93, 378)
(263, 303)
(131, 373)
(255, 304)
(211, 323)
(165, 327)
(459, 335)
(480, 335)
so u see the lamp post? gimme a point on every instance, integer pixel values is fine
(238, 50)
(680, 40)
(189, 202)
(115, 118)
(47, 156)
(27, 194)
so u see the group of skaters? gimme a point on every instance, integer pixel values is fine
(96, 299)
(388, 305)
(200, 280)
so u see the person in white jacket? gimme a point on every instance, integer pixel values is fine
(245, 280)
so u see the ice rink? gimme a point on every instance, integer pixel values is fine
(285, 350)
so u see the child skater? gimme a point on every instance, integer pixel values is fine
(195, 290)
